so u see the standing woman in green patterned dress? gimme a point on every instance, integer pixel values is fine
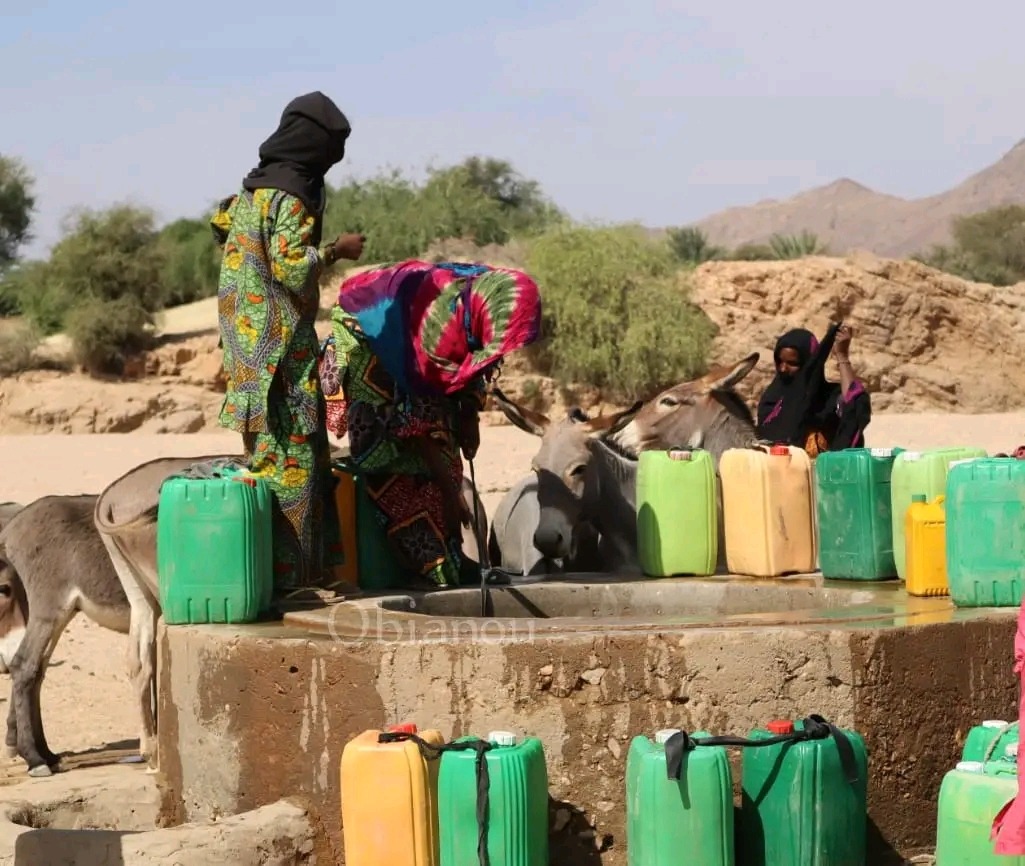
(268, 296)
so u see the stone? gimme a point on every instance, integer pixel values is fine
(100, 816)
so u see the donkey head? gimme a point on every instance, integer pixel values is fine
(566, 467)
(703, 413)
(13, 612)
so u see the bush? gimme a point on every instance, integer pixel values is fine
(191, 261)
(101, 286)
(615, 315)
(18, 343)
(752, 253)
(690, 246)
(796, 246)
(988, 247)
(12, 284)
(105, 333)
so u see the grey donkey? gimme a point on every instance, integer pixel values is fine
(52, 566)
(701, 413)
(572, 513)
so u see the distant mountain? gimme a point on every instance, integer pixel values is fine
(847, 215)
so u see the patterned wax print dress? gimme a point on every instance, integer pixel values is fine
(268, 296)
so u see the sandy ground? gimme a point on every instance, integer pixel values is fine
(87, 702)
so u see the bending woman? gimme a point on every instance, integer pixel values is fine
(405, 371)
(268, 296)
(801, 407)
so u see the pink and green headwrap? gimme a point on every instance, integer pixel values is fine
(437, 327)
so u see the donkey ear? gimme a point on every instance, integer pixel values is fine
(724, 378)
(527, 420)
(611, 425)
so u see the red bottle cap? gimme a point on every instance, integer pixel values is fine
(779, 450)
(404, 728)
(780, 726)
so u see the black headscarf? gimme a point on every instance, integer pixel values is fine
(790, 403)
(309, 140)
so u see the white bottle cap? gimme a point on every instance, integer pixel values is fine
(910, 455)
(679, 454)
(994, 723)
(661, 737)
(969, 766)
(881, 452)
(502, 738)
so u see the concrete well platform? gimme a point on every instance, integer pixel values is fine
(251, 714)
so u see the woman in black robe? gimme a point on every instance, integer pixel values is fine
(801, 407)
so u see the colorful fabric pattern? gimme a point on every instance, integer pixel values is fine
(435, 332)
(267, 302)
(437, 327)
(389, 435)
(268, 297)
(307, 538)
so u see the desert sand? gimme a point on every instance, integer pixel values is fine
(87, 700)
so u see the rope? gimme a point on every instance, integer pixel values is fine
(485, 565)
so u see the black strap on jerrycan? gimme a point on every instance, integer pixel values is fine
(431, 752)
(815, 727)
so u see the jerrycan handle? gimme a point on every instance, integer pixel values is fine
(988, 756)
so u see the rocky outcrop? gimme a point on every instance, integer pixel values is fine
(923, 340)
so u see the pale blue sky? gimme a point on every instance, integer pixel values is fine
(654, 110)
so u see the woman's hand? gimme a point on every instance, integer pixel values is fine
(468, 431)
(841, 346)
(842, 343)
(349, 246)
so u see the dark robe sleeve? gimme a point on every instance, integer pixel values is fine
(845, 418)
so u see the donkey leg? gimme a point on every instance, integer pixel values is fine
(55, 630)
(28, 668)
(146, 687)
(11, 743)
(142, 635)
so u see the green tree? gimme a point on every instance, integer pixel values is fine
(523, 206)
(102, 285)
(191, 261)
(17, 204)
(483, 201)
(690, 245)
(615, 314)
(796, 246)
(988, 247)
